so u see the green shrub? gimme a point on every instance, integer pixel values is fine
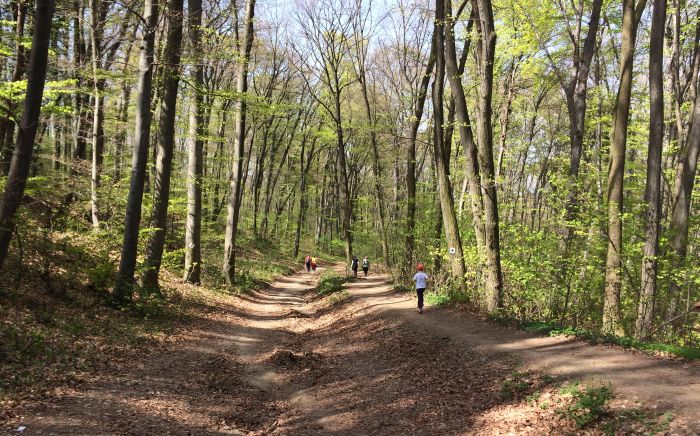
(515, 385)
(588, 402)
(330, 282)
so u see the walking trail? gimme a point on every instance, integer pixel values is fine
(284, 361)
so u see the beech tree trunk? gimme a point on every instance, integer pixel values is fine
(449, 218)
(466, 136)
(123, 288)
(22, 155)
(7, 125)
(411, 162)
(652, 195)
(195, 164)
(618, 147)
(485, 57)
(165, 146)
(234, 204)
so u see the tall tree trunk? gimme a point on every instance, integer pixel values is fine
(7, 125)
(485, 56)
(123, 288)
(234, 204)
(79, 100)
(98, 13)
(411, 162)
(576, 92)
(440, 154)
(22, 155)
(618, 147)
(466, 136)
(376, 164)
(165, 147)
(305, 159)
(685, 182)
(344, 183)
(652, 195)
(193, 226)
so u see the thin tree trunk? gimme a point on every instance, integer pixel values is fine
(142, 138)
(618, 146)
(22, 155)
(466, 136)
(652, 195)
(193, 226)
(376, 164)
(165, 147)
(7, 125)
(411, 162)
(449, 218)
(97, 17)
(234, 205)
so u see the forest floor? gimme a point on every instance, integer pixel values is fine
(284, 360)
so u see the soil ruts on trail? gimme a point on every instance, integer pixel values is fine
(284, 361)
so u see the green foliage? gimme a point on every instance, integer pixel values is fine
(437, 299)
(588, 402)
(330, 282)
(515, 385)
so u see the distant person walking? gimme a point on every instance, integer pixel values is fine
(307, 263)
(354, 265)
(314, 262)
(365, 265)
(421, 280)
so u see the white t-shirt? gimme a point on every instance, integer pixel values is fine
(421, 280)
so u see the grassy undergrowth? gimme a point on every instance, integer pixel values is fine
(654, 348)
(330, 282)
(571, 407)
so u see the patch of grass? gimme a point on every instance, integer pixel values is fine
(587, 404)
(551, 329)
(515, 385)
(330, 282)
(339, 296)
(437, 299)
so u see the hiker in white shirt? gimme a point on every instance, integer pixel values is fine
(421, 280)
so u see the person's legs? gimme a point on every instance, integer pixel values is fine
(420, 299)
(365, 271)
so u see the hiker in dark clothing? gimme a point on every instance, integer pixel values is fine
(307, 263)
(365, 265)
(354, 265)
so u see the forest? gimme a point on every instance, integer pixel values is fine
(539, 157)
(162, 159)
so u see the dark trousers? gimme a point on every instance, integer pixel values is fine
(420, 297)
(365, 270)
(308, 266)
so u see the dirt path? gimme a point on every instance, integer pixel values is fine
(664, 384)
(282, 361)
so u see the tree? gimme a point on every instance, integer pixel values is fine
(485, 58)
(326, 30)
(449, 217)
(165, 146)
(127, 265)
(22, 155)
(684, 183)
(466, 136)
(236, 190)
(7, 125)
(618, 146)
(652, 194)
(193, 227)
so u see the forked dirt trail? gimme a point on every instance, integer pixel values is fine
(283, 361)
